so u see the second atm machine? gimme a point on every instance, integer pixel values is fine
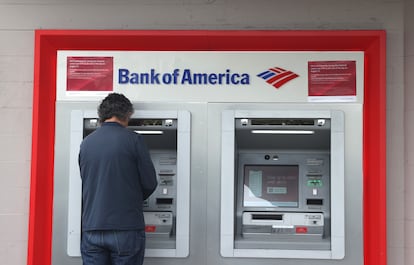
(166, 211)
(284, 171)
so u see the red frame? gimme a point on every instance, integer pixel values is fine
(48, 42)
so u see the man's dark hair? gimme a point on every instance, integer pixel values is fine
(115, 105)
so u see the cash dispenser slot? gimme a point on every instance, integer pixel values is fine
(314, 202)
(267, 217)
(164, 201)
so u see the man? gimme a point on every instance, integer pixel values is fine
(117, 176)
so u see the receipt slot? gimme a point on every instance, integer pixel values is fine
(166, 211)
(282, 184)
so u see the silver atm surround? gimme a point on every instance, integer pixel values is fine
(174, 157)
(228, 228)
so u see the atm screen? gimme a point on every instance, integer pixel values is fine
(271, 186)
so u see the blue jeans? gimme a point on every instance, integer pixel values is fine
(109, 247)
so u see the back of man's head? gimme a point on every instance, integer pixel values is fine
(115, 105)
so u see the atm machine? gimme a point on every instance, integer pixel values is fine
(166, 211)
(282, 184)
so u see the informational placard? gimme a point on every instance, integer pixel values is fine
(211, 76)
(89, 73)
(332, 80)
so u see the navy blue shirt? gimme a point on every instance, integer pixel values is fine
(117, 175)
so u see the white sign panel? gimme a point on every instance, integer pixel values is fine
(211, 76)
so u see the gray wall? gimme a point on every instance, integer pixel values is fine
(19, 19)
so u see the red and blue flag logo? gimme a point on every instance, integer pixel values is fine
(277, 76)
